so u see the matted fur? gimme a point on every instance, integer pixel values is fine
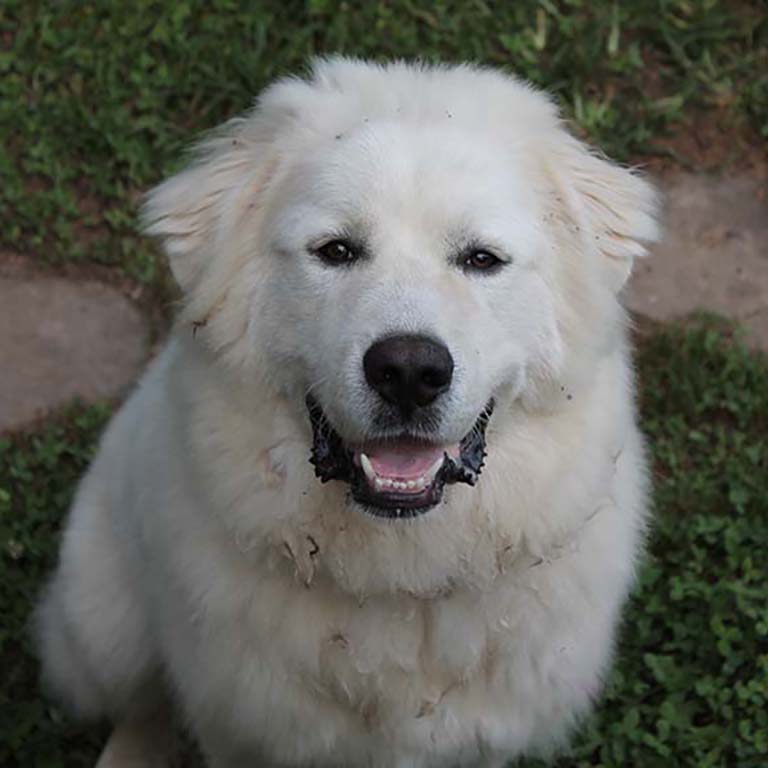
(289, 626)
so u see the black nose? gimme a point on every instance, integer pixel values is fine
(408, 371)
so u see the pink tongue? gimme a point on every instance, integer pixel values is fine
(403, 460)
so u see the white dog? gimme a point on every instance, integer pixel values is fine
(379, 500)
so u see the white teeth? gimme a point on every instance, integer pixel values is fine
(381, 482)
(365, 463)
(386, 483)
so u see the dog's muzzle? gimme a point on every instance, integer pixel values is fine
(396, 477)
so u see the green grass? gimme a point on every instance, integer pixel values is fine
(98, 99)
(38, 473)
(690, 687)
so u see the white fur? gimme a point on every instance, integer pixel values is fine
(290, 626)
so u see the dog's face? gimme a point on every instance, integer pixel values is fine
(397, 251)
(408, 294)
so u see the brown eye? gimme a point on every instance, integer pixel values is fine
(337, 253)
(480, 261)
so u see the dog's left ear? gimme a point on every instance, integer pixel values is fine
(613, 207)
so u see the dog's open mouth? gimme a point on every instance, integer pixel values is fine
(401, 477)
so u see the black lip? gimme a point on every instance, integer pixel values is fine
(332, 460)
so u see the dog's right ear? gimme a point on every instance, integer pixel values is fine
(187, 211)
(614, 208)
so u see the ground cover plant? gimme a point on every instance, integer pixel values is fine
(97, 101)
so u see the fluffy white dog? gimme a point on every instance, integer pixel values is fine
(379, 500)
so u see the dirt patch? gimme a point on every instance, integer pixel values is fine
(709, 141)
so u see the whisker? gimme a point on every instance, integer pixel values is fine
(313, 386)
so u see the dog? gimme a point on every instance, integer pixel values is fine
(380, 499)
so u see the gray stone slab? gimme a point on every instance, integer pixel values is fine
(714, 255)
(61, 339)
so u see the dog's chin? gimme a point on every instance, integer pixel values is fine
(396, 477)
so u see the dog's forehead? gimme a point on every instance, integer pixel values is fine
(440, 172)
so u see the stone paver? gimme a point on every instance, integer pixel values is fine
(714, 254)
(60, 340)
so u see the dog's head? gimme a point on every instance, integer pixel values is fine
(397, 250)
